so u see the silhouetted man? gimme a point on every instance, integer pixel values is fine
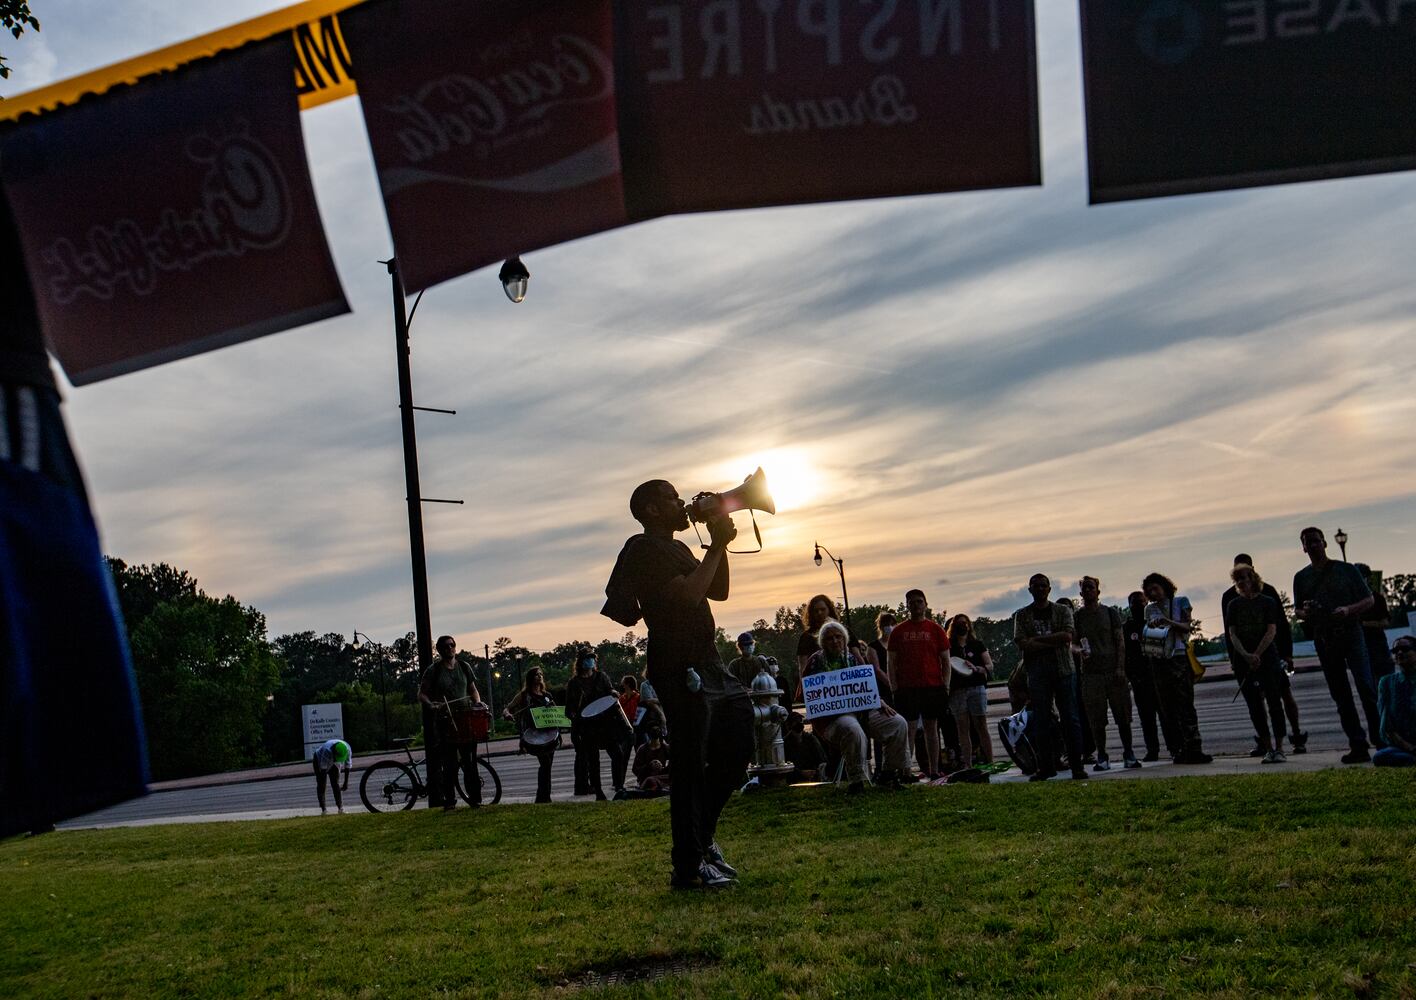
(1330, 597)
(1043, 631)
(709, 711)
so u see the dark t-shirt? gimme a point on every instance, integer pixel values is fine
(807, 644)
(680, 636)
(1098, 627)
(1250, 618)
(1337, 584)
(1135, 659)
(1283, 639)
(973, 650)
(1042, 625)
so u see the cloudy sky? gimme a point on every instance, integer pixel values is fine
(950, 392)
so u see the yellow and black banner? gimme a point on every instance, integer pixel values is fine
(322, 66)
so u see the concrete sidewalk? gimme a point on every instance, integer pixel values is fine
(1317, 760)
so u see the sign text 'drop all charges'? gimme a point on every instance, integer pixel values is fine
(742, 103)
(1203, 95)
(836, 692)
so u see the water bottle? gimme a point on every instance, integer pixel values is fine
(695, 683)
(1086, 647)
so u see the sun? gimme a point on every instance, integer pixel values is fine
(792, 478)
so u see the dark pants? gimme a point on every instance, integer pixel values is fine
(450, 756)
(332, 776)
(1175, 692)
(1340, 653)
(1047, 686)
(587, 763)
(708, 758)
(1264, 688)
(1143, 691)
(544, 756)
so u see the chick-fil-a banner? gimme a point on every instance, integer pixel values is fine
(171, 217)
(1205, 95)
(742, 103)
(492, 126)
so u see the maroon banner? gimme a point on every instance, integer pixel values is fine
(735, 104)
(492, 126)
(171, 217)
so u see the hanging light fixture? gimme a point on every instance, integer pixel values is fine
(514, 278)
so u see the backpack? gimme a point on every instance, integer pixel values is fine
(1013, 734)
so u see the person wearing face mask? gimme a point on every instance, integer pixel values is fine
(748, 663)
(885, 623)
(587, 684)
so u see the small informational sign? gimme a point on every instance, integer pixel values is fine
(322, 722)
(837, 692)
(550, 717)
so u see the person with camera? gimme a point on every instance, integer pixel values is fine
(1331, 596)
(1169, 623)
(709, 710)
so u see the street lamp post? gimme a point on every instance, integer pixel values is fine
(514, 278)
(383, 674)
(840, 565)
(1341, 539)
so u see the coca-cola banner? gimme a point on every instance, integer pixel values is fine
(1202, 95)
(171, 217)
(492, 126)
(742, 103)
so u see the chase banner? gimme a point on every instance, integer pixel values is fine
(1204, 95)
(492, 126)
(172, 216)
(733, 104)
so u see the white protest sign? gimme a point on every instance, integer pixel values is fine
(322, 722)
(837, 692)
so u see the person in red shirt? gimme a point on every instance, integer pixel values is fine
(919, 675)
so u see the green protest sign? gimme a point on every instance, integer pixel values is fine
(551, 717)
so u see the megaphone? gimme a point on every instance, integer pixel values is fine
(751, 495)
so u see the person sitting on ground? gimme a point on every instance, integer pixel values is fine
(849, 733)
(653, 711)
(651, 764)
(329, 757)
(1396, 696)
(803, 749)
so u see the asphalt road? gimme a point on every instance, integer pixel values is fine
(1224, 723)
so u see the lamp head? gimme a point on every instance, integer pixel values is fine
(514, 278)
(1340, 538)
(817, 557)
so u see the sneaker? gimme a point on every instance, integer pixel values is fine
(1194, 757)
(324, 811)
(1089, 758)
(714, 856)
(1357, 756)
(341, 810)
(1151, 756)
(1275, 757)
(1258, 750)
(1300, 742)
(707, 877)
(1039, 776)
(1080, 774)
(1130, 762)
(1102, 764)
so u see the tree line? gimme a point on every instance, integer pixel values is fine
(218, 694)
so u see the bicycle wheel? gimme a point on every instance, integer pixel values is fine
(389, 786)
(491, 783)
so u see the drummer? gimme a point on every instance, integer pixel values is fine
(447, 685)
(540, 743)
(589, 684)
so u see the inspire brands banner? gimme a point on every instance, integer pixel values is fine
(171, 217)
(1204, 95)
(492, 126)
(742, 103)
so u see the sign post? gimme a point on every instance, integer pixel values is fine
(322, 722)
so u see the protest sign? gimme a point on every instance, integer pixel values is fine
(550, 717)
(836, 692)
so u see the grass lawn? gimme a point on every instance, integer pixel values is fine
(1271, 885)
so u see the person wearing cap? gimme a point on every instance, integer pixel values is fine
(748, 664)
(1396, 697)
(329, 757)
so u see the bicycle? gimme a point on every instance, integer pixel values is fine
(391, 786)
